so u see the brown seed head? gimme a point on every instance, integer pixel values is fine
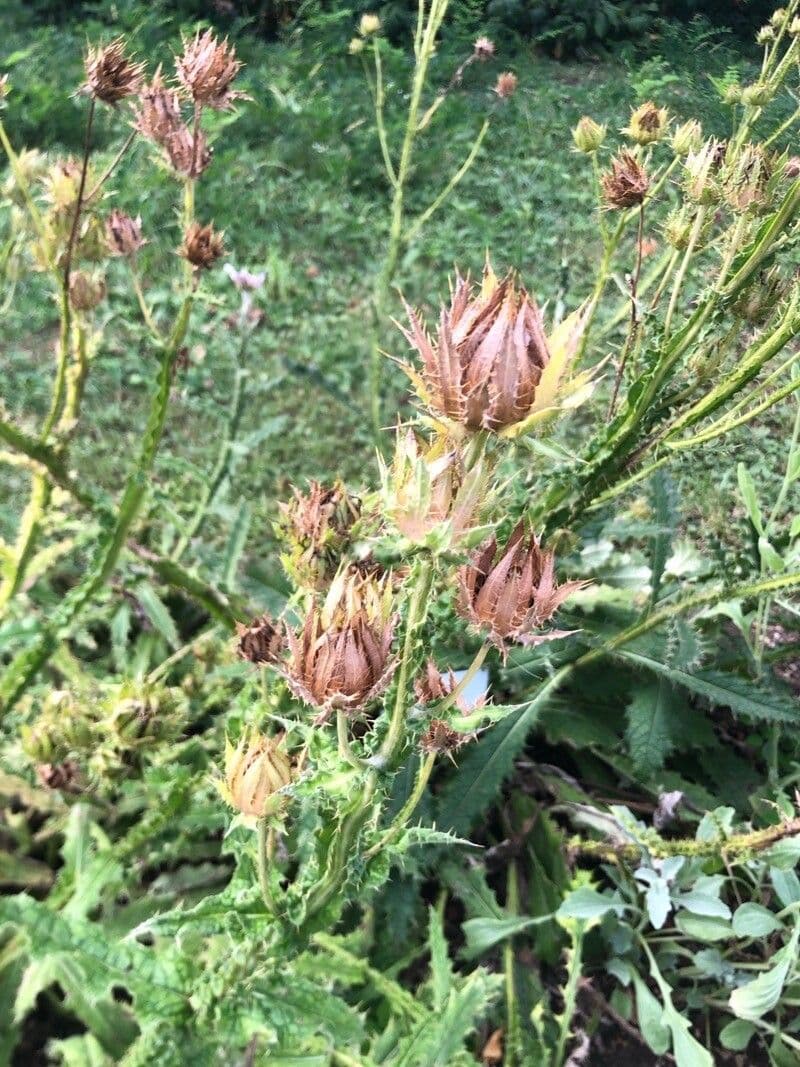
(86, 291)
(341, 658)
(202, 245)
(647, 123)
(123, 234)
(440, 737)
(506, 85)
(744, 186)
(626, 184)
(316, 527)
(184, 158)
(65, 776)
(490, 365)
(510, 593)
(792, 167)
(110, 74)
(259, 642)
(257, 770)
(206, 70)
(158, 116)
(483, 48)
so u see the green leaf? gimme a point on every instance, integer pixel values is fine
(754, 999)
(725, 690)
(754, 920)
(158, 613)
(237, 539)
(587, 903)
(703, 904)
(483, 934)
(649, 730)
(441, 971)
(750, 497)
(649, 1012)
(736, 1035)
(704, 927)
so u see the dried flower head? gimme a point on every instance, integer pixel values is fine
(491, 366)
(756, 303)
(483, 48)
(158, 116)
(766, 35)
(356, 46)
(792, 167)
(433, 685)
(110, 74)
(317, 527)
(442, 738)
(647, 123)
(65, 777)
(427, 487)
(206, 70)
(794, 27)
(626, 184)
(745, 183)
(677, 228)
(701, 168)
(5, 89)
(341, 657)
(86, 291)
(506, 85)
(511, 593)
(779, 17)
(261, 641)
(257, 773)
(202, 245)
(369, 25)
(687, 137)
(188, 151)
(123, 234)
(588, 135)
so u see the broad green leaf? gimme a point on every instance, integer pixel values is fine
(650, 724)
(736, 1035)
(483, 934)
(703, 904)
(754, 920)
(587, 903)
(704, 927)
(649, 1012)
(755, 999)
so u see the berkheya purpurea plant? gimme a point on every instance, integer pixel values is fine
(66, 227)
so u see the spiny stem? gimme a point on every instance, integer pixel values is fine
(407, 810)
(73, 233)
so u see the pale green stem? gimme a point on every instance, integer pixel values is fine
(24, 188)
(144, 307)
(345, 750)
(453, 697)
(101, 181)
(379, 118)
(513, 1022)
(407, 810)
(417, 610)
(569, 994)
(680, 277)
(420, 221)
(263, 851)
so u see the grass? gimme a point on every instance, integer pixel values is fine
(296, 184)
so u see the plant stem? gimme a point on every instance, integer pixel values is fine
(345, 751)
(263, 851)
(570, 993)
(453, 697)
(513, 1026)
(417, 610)
(73, 233)
(112, 165)
(694, 237)
(407, 810)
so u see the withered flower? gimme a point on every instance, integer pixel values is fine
(64, 776)
(316, 527)
(702, 166)
(158, 117)
(202, 245)
(257, 771)
(506, 85)
(110, 74)
(792, 167)
(341, 657)
(188, 151)
(426, 487)
(511, 593)
(491, 366)
(687, 137)
(261, 641)
(746, 184)
(647, 123)
(433, 685)
(442, 738)
(626, 184)
(369, 25)
(123, 234)
(206, 70)
(86, 291)
(483, 48)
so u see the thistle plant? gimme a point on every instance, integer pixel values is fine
(294, 764)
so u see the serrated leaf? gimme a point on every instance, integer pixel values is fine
(649, 730)
(441, 971)
(749, 495)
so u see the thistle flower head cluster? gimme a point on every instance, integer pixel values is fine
(648, 123)
(490, 365)
(202, 245)
(124, 234)
(317, 529)
(206, 70)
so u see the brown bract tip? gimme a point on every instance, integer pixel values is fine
(202, 246)
(110, 74)
(206, 70)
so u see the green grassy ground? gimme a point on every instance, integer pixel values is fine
(297, 186)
